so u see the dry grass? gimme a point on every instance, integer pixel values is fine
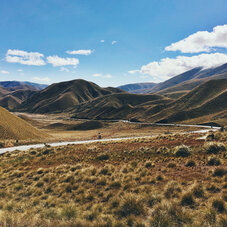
(127, 183)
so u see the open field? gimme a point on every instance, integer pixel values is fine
(145, 182)
(63, 128)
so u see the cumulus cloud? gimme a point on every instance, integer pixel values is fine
(80, 52)
(4, 72)
(114, 42)
(202, 41)
(25, 58)
(102, 75)
(102, 41)
(57, 61)
(39, 79)
(168, 67)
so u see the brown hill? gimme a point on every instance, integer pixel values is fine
(12, 127)
(61, 96)
(116, 106)
(205, 99)
(11, 99)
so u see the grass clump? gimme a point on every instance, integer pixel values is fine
(182, 151)
(213, 161)
(214, 148)
(187, 199)
(219, 205)
(131, 205)
(190, 163)
(219, 172)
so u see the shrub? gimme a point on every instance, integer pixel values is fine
(219, 205)
(171, 165)
(148, 165)
(103, 157)
(219, 172)
(182, 151)
(198, 191)
(190, 163)
(131, 206)
(214, 148)
(213, 161)
(187, 200)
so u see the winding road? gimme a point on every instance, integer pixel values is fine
(41, 145)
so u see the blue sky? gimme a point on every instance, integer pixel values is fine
(109, 42)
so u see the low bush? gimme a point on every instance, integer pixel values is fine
(182, 151)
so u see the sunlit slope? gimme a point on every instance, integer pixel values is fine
(12, 127)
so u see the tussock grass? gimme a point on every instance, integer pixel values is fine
(139, 184)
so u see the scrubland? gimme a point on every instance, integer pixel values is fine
(168, 180)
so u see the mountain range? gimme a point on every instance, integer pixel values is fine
(196, 95)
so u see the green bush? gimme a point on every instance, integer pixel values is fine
(187, 200)
(219, 172)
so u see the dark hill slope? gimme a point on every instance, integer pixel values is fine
(195, 99)
(61, 96)
(116, 106)
(12, 99)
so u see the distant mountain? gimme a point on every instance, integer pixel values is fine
(16, 85)
(182, 88)
(137, 88)
(12, 127)
(59, 97)
(208, 98)
(196, 73)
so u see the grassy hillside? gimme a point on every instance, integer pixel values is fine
(114, 106)
(148, 182)
(205, 99)
(11, 98)
(58, 97)
(189, 85)
(12, 127)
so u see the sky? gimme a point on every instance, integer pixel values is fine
(109, 42)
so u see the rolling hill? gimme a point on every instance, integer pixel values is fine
(11, 99)
(208, 98)
(12, 127)
(61, 96)
(116, 106)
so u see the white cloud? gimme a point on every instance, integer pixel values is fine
(25, 58)
(133, 71)
(114, 42)
(102, 76)
(4, 72)
(168, 67)
(57, 61)
(39, 79)
(20, 70)
(102, 41)
(81, 52)
(64, 69)
(202, 41)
